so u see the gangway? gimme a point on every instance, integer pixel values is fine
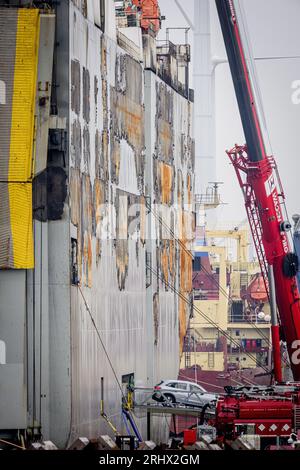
(150, 407)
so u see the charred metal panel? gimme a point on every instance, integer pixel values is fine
(49, 194)
(86, 94)
(85, 235)
(103, 57)
(100, 199)
(86, 150)
(172, 169)
(106, 180)
(167, 182)
(134, 80)
(75, 86)
(76, 146)
(56, 192)
(164, 123)
(127, 118)
(180, 189)
(122, 259)
(121, 73)
(167, 258)
(101, 155)
(105, 103)
(75, 187)
(98, 238)
(104, 156)
(189, 189)
(156, 317)
(128, 122)
(115, 160)
(104, 237)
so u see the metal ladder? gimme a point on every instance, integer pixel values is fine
(211, 360)
(244, 279)
(297, 418)
(187, 354)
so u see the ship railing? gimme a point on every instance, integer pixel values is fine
(251, 318)
(206, 294)
(127, 18)
(129, 46)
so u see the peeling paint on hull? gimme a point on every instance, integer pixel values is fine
(110, 198)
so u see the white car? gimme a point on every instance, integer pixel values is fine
(183, 393)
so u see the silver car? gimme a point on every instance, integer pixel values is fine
(183, 393)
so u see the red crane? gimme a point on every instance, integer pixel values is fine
(264, 199)
(269, 412)
(150, 14)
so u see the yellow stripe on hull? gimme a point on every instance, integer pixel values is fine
(22, 138)
(20, 200)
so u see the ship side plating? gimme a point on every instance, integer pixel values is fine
(119, 158)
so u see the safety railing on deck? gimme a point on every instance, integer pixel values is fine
(129, 46)
(248, 318)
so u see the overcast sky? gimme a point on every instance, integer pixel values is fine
(274, 30)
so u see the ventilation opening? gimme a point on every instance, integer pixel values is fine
(74, 266)
(102, 15)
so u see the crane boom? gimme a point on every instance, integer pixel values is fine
(258, 177)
